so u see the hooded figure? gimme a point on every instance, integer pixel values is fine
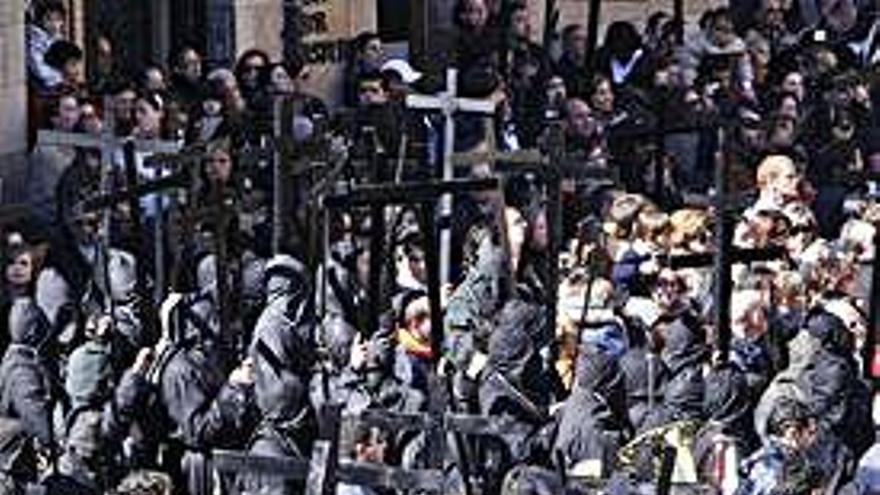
(283, 353)
(838, 396)
(329, 382)
(207, 410)
(828, 386)
(682, 356)
(514, 384)
(25, 381)
(728, 435)
(100, 415)
(593, 422)
(122, 279)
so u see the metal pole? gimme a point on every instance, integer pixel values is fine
(145, 301)
(158, 246)
(554, 220)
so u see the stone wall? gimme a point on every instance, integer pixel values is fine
(12, 77)
(13, 97)
(258, 24)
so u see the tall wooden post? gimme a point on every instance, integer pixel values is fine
(678, 17)
(724, 244)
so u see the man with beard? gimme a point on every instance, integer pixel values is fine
(782, 465)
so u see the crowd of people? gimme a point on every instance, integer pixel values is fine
(117, 380)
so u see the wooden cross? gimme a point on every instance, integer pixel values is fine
(324, 469)
(448, 103)
(110, 144)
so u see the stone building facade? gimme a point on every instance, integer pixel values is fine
(226, 28)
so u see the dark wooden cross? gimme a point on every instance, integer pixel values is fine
(324, 469)
(110, 144)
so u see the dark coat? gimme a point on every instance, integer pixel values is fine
(593, 423)
(683, 393)
(514, 384)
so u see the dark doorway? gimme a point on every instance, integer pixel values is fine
(394, 20)
(188, 24)
(129, 26)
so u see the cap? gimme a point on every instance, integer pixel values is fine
(403, 69)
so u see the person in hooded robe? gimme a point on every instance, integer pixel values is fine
(26, 398)
(343, 280)
(282, 350)
(514, 386)
(728, 436)
(330, 382)
(207, 405)
(593, 424)
(826, 384)
(100, 413)
(682, 355)
(532, 480)
(838, 396)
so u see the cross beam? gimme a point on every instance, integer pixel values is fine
(348, 471)
(89, 141)
(736, 255)
(405, 192)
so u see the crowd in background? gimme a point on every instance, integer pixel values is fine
(115, 382)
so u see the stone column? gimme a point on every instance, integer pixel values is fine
(258, 24)
(13, 97)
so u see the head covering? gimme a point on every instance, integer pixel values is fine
(830, 330)
(338, 338)
(607, 338)
(682, 345)
(89, 371)
(402, 68)
(122, 268)
(727, 397)
(27, 324)
(597, 371)
(206, 274)
(284, 274)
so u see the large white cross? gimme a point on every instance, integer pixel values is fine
(448, 104)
